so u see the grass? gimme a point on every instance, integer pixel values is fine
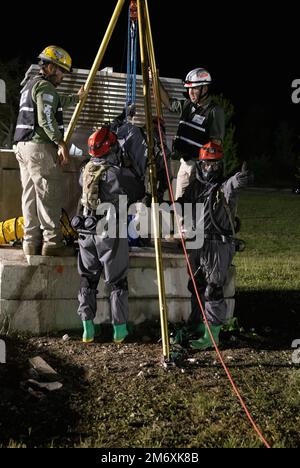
(270, 223)
(270, 227)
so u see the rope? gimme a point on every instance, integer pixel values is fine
(128, 84)
(131, 60)
(134, 63)
(230, 378)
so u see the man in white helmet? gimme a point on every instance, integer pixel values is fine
(201, 122)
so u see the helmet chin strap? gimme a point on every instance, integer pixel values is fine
(202, 95)
(50, 76)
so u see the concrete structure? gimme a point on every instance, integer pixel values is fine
(39, 295)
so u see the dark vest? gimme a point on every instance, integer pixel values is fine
(193, 130)
(27, 118)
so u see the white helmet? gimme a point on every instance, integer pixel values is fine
(197, 77)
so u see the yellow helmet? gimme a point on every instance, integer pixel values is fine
(58, 56)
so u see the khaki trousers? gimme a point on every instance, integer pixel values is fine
(41, 178)
(186, 175)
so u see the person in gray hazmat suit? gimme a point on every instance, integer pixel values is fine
(104, 179)
(133, 140)
(210, 263)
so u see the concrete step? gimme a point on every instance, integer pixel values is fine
(39, 294)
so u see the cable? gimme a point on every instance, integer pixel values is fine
(132, 34)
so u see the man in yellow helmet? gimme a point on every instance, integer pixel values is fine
(41, 151)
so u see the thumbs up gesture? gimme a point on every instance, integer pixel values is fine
(244, 167)
(245, 177)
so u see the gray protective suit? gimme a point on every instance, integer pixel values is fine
(110, 256)
(210, 264)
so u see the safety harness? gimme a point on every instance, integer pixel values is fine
(92, 174)
(225, 235)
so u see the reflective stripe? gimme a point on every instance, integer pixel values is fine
(192, 125)
(27, 122)
(189, 141)
(60, 109)
(27, 109)
(26, 126)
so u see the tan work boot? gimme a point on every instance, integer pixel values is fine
(57, 250)
(29, 248)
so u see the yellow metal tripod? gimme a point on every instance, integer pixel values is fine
(147, 61)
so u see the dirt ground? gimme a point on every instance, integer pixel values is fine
(122, 396)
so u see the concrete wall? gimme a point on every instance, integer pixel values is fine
(41, 296)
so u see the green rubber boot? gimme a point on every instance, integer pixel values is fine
(98, 329)
(120, 333)
(205, 342)
(178, 336)
(197, 329)
(88, 331)
(183, 333)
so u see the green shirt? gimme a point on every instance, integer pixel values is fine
(46, 97)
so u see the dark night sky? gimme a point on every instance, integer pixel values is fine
(251, 53)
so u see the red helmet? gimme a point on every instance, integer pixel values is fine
(211, 152)
(101, 141)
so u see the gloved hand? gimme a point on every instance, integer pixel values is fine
(147, 200)
(131, 110)
(82, 93)
(245, 177)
